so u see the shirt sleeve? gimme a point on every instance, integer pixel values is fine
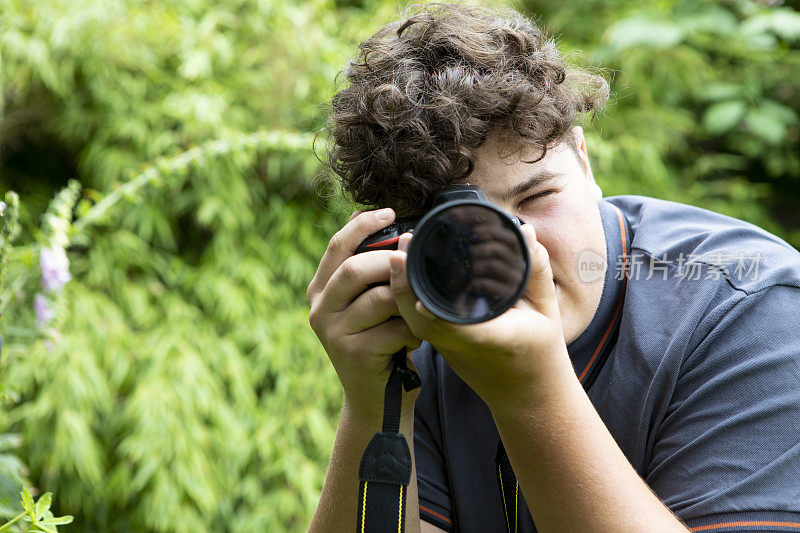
(432, 481)
(726, 457)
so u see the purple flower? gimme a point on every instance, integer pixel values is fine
(2, 208)
(55, 268)
(43, 312)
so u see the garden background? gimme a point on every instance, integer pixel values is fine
(173, 383)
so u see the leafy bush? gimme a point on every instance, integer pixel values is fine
(172, 390)
(36, 515)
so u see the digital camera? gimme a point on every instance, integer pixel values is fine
(468, 260)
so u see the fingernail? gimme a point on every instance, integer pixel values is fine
(394, 265)
(383, 214)
(404, 241)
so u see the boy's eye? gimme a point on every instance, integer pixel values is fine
(536, 196)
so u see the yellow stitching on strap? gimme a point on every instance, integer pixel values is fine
(400, 512)
(516, 512)
(364, 507)
(503, 494)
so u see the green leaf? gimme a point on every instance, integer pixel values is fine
(763, 123)
(783, 22)
(644, 32)
(714, 19)
(43, 504)
(58, 521)
(760, 41)
(721, 91)
(83, 207)
(780, 112)
(721, 117)
(9, 441)
(27, 500)
(786, 23)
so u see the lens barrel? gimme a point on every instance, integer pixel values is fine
(468, 261)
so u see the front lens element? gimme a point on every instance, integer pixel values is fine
(468, 262)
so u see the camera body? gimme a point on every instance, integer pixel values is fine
(386, 239)
(468, 260)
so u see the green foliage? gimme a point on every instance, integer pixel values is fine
(179, 387)
(37, 515)
(173, 392)
(9, 229)
(13, 474)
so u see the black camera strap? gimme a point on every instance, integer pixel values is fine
(509, 489)
(385, 470)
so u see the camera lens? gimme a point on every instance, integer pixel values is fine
(467, 262)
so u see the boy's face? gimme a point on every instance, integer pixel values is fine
(561, 205)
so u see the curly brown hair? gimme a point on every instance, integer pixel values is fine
(425, 92)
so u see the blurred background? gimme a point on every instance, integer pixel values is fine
(173, 383)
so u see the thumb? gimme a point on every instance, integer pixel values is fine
(540, 291)
(398, 278)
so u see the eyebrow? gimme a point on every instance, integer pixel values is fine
(536, 179)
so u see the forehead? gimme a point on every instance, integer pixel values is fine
(500, 167)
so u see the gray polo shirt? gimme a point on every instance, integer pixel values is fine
(692, 361)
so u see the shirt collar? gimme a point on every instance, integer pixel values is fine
(589, 351)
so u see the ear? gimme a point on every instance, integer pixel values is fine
(583, 157)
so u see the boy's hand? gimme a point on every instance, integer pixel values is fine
(502, 358)
(359, 327)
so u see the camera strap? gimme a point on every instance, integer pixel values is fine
(385, 470)
(509, 489)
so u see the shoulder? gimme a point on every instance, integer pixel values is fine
(749, 258)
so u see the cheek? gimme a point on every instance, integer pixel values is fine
(560, 236)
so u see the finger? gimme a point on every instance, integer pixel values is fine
(344, 243)
(428, 326)
(372, 307)
(398, 277)
(420, 308)
(386, 338)
(540, 291)
(353, 277)
(356, 213)
(404, 242)
(421, 321)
